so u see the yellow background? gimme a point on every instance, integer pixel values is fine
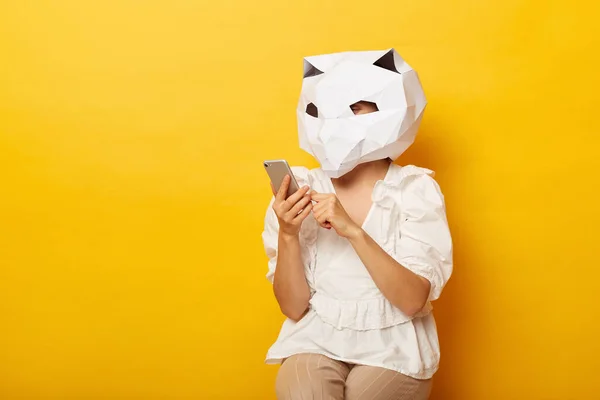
(132, 193)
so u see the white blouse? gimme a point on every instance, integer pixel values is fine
(349, 319)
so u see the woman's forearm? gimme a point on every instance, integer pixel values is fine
(290, 286)
(402, 287)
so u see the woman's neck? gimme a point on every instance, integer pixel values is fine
(364, 174)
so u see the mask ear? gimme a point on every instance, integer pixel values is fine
(310, 70)
(387, 62)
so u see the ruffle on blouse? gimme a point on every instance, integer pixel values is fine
(386, 192)
(362, 315)
(386, 195)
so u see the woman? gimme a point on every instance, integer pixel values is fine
(359, 252)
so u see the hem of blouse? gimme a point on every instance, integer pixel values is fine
(426, 374)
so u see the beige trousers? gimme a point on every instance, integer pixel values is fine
(317, 377)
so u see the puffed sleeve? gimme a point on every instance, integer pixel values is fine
(425, 244)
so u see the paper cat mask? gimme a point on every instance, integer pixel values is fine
(327, 127)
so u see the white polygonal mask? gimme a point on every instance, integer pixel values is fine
(327, 127)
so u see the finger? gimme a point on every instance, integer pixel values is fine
(326, 225)
(320, 196)
(322, 207)
(300, 205)
(304, 213)
(318, 207)
(285, 184)
(321, 218)
(297, 196)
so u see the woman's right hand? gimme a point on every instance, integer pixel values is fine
(293, 211)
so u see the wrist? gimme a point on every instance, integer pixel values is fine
(355, 233)
(288, 237)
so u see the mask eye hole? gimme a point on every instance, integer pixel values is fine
(312, 110)
(364, 107)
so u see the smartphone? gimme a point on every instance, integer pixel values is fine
(277, 170)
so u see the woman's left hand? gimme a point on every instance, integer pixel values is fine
(329, 213)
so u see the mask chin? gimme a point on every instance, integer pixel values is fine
(334, 172)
